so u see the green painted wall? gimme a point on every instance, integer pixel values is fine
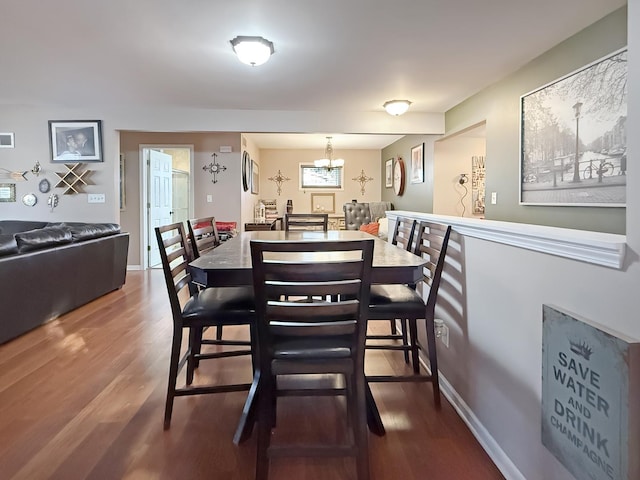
(499, 105)
(417, 197)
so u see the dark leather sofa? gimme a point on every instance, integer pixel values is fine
(48, 269)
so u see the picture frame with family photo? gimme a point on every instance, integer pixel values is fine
(75, 141)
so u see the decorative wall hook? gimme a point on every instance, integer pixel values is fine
(36, 168)
(16, 176)
(214, 168)
(363, 179)
(279, 179)
(52, 201)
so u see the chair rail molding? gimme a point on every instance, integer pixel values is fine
(605, 249)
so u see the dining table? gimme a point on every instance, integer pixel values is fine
(229, 265)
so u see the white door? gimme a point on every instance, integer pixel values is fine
(181, 193)
(160, 198)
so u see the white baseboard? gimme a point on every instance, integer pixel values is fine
(134, 267)
(488, 443)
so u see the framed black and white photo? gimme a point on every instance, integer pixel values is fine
(74, 141)
(7, 140)
(388, 173)
(573, 139)
(417, 164)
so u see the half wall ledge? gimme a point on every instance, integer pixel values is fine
(605, 249)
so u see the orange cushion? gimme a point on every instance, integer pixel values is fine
(371, 228)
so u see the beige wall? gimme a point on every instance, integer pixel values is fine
(225, 194)
(452, 158)
(288, 161)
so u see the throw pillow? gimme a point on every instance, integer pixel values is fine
(371, 228)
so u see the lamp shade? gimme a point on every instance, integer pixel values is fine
(396, 107)
(252, 50)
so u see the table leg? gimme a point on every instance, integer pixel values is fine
(248, 417)
(373, 416)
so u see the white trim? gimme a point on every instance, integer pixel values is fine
(486, 441)
(598, 248)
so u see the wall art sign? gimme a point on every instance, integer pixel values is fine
(477, 184)
(573, 138)
(590, 389)
(74, 141)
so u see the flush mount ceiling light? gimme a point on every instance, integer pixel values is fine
(252, 50)
(328, 161)
(396, 107)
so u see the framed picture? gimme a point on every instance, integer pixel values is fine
(417, 164)
(573, 149)
(323, 202)
(388, 173)
(123, 204)
(255, 177)
(75, 141)
(7, 140)
(7, 192)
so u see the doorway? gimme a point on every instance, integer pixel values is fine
(167, 193)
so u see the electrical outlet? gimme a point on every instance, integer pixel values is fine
(209, 198)
(442, 331)
(445, 336)
(494, 198)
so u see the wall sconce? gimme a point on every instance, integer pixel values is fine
(396, 107)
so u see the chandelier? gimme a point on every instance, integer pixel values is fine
(328, 161)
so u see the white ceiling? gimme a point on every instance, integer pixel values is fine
(332, 56)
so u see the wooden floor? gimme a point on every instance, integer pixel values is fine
(83, 397)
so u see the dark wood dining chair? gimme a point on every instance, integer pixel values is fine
(311, 338)
(306, 221)
(204, 237)
(406, 302)
(193, 310)
(403, 237)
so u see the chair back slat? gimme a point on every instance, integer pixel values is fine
(175, 256)
(431, 244)
(403, 233)
(203, 235)
(306, 221)
(346, 278)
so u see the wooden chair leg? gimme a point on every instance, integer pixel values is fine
(360, 433)
(433, 360)
(219, 332)
(265, 421)
(195, 345)
(413, 334)
(392, 325)
(173, 376)
(405, 340)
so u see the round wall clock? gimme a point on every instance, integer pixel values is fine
(246, 169)
(398, 176)
(29, 200)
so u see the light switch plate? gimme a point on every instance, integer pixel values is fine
(96, 198)
(494, 198)
(209, 198)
